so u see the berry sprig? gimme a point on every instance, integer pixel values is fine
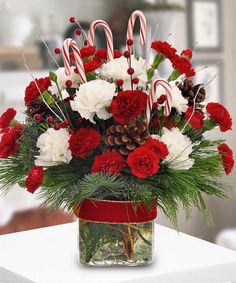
(127, 55)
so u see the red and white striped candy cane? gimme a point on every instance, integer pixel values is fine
(69, 42)
(152, 97)
(109, 36)
(143, 28)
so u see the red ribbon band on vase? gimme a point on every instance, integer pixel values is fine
(106, 211)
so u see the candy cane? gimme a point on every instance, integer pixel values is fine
(109, 36)
(69, 42)
(130, 29)
(152, 97)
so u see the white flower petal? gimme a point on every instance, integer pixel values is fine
(179, 146)
(92, 98)
(62, 78)
(117, 69)
(53, 148)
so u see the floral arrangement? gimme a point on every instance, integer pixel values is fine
(106, 126)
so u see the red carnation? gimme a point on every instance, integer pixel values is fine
(117, 54)
(183, 66)
(108, 162)
(226, 157)
(32, 93)
(196, 120)
(128, 104)
(91, 66)
(87, 51)
(101, 55)
(83, 141)
(8, 144)
(220, 115)
(34, 179)
(143, 162)
(7, 117)
(164, 48)
(158, 147)
(187, 54)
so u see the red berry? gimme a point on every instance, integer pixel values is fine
(66, 123)
(57, 126)
(86, 42)
(50, 120)
(119, 82)
(161, 99)
(37, 117)
(68, 83)
(126, 54)
(72, 20)
(78, 31)
(130, 71)
(72, 56)
(57, 51)
(76, 71)
(155, 106)
(135, 81)
(130, 42)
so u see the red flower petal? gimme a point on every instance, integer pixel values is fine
(226, 157)
(128, 104)
(143, 162)
(7, 117)
(83, 141)
(108, 162)
(220, 115)
(34, 179)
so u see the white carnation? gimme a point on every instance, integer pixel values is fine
(178, 101)
(53, 148)
(179, 146)
(92, 98)
(62, 78)
(117, 70)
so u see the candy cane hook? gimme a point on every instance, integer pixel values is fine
(109, 37)
(69, 42)
(152, 97)
(143, 28)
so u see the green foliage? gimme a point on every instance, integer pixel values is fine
(150, 74)
(95, 235)
(53, 76)
(15, 168)
(12, 170)
(174, 76)
(157, 60)
(47, 97)
(66, 185)
(169, 188)
(209, 124)
(67, 190)
(187, 187)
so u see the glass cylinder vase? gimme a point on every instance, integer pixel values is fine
(114, 233)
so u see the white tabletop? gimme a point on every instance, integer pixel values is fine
(48, 255)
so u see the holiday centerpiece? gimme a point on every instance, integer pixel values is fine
(110, 140)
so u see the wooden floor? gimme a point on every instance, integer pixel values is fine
(35, 218)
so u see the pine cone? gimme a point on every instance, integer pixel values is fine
(189, 91)
(37, 107)
(126, 138)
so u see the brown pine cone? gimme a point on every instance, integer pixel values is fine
(189, 91)
(126, 138)
(37, 107)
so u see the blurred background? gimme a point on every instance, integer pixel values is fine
(206, 26)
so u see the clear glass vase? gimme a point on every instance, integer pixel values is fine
(106, 244)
